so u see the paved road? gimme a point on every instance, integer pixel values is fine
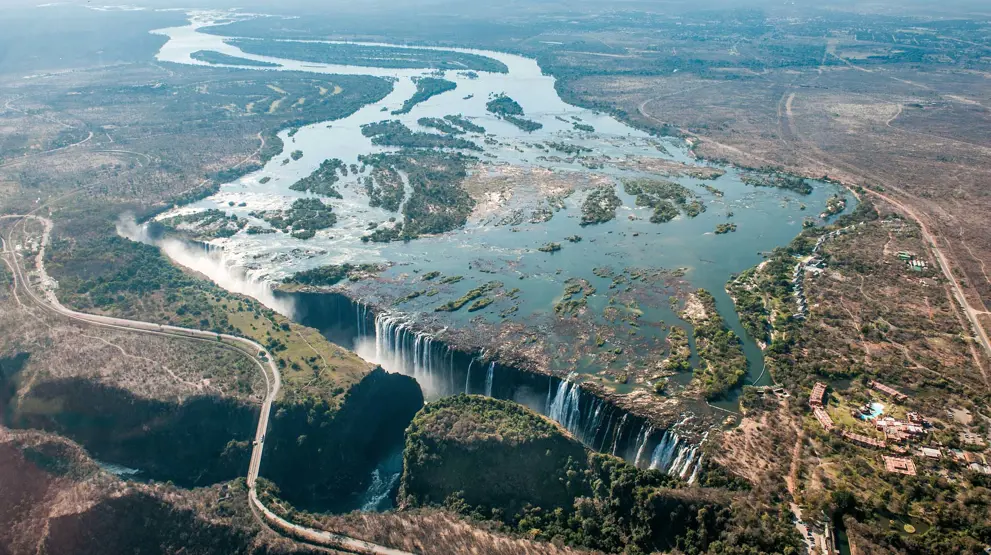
(262, 357)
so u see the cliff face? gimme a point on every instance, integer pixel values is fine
(495, 459)
(494, 454)
(198, 441)
(56, 500)
(317, 456)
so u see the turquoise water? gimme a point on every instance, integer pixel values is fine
(619, 335)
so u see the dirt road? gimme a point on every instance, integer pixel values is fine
(48, 301)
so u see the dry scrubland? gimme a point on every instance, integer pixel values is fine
(830, 96)
(148, 366)
(919, 136)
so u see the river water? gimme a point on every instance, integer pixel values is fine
(484, 251)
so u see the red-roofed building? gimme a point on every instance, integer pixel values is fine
(823, 417)
(864, 441)
(899, 465)
(818, 395)
(899, 396)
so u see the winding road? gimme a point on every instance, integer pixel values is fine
(47, 300)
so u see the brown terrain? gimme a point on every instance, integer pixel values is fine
(918, 138)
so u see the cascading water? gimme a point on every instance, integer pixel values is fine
(642, 443)
(489, 378)
(677, 457)
(401, 349)
(468, 379)
(619, 433)
(211, 261)
(594, 421)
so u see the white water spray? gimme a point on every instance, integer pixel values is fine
(215, 265)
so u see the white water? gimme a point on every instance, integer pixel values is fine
(216, 266)
(489, 378)
(274, 253)
(395, 346)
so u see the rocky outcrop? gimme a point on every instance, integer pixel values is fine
(491, 453)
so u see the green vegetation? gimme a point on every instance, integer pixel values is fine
(584, 127)
(430, 275)
(550, 247)
(759, 295)
(264, 180)
(750, 305)
(426, 87)
(480, 304)
(600, 206)
(569, 149)
(464, 123)
(525, 124)
(408, 297)
(721, 351)
(453, 125)
(441, 125)
(228, 175)
(369, 56)
(509, 110)
(662, 196)
(208, 224)
(385, 235)
(575, 297)
(835, 205)
(306, 216)
(438, 202)
(458, 446)
(712, 190)
(679, 351)
(326, 276)
(502, 105)
(775, 179)
(394, 133)
(296, 154)
(211, 57)
(725, 228)
(476, 293)
(112, 275)
(495, 460)
(322, 180)
(664, 211)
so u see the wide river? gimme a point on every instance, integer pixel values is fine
(483, 250)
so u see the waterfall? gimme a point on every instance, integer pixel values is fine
(695, 473)
(594, 421)
(361, 310)
(401, 349)
(450, 368)
(676, 457)
(665, 451)
(224, 269)
(605, 436)
(642, 443)
(468, 379)
(619, 432)
(489, 377)
(564, 407)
